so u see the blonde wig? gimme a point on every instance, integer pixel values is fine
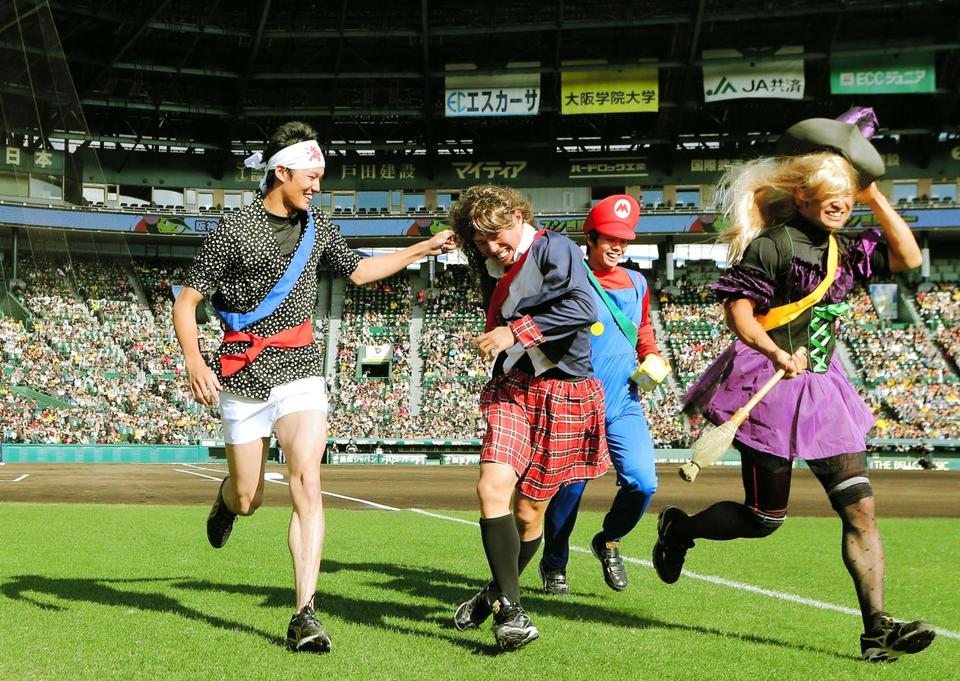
(764, 193)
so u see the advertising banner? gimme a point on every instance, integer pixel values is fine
(893, 74)
(601, 92)
(775, 77)
(884, 297)
(376, 354)
(466, 94)
(36, 160)
(677, 222)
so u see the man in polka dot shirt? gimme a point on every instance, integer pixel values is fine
(259, 271)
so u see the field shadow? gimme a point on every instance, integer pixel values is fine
(110, 592)
(437, 592)
(451, 589)
(430, 596)
(429, 591)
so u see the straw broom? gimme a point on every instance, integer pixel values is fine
(715, 441)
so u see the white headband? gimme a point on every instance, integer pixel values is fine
(295, 157)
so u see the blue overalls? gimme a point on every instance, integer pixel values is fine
(628, 438)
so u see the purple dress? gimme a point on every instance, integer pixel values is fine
(812, 416)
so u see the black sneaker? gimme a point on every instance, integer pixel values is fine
(890, 639)
(608, 553)
(554, 581)
(669, 552)
(306, 634)
(220, 520)
(471, 614)
(511, 627)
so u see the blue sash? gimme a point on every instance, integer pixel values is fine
(236, 321)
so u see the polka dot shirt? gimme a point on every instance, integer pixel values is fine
(238, 264)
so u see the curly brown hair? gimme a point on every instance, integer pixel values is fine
(485, 209)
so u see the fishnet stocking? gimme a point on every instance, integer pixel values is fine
(862, 551)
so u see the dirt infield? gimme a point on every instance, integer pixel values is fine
(899, 493)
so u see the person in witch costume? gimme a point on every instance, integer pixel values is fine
(259, 270)
(791, 269)
(543, 407)
(624, 353)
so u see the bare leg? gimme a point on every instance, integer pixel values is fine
(303, 436)
(495, 489)
(243, 491)
(529, 515)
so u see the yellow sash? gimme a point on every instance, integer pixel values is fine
(784, 314)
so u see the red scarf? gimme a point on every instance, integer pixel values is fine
(297, 337)
(502, 289)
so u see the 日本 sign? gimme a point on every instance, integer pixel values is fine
(22, 158)
(599, 92)
(893, 74)
(499, 95)
(776, 77)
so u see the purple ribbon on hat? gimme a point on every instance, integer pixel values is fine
(863, 117)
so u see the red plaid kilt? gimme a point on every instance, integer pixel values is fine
(549, 431)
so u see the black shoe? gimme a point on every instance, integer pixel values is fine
(471, 614)
(890, 639)
(511, 627)
(554, 581)
(306, 634)
(669, 552)
(608, 553)
(220, 520)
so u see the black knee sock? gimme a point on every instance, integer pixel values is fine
(501, 543)
(528, 549)
(624, 514)
(724, 520)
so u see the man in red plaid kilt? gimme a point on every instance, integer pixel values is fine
(543, 408)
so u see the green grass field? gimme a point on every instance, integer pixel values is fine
(120, 592)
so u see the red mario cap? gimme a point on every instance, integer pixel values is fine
(615, 216)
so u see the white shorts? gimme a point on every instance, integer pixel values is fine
(246, 420)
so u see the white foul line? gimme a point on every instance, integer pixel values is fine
(443, 517)
(199, 475)
(720, 581)
(20, 479)
(711, 579)
(374, 504)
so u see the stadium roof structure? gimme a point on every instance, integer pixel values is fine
(370, 76)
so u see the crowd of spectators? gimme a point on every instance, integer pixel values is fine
(939, 306)
(693, 324)
(100, 353)
(906, 379)
(664, 418)
(453, 371)
(92, 347)
(362, 402)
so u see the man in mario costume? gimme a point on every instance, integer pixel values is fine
(626, 359)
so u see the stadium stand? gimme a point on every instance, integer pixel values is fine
(96, 367)
(906, 378)
(97, 360)
(363, 404)
(453, 372)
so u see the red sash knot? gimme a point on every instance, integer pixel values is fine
(297, 337)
